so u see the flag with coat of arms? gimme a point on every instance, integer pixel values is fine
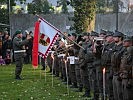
(45, 35)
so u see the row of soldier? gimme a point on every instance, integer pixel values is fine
(110, 50)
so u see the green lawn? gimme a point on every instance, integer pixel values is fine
(34, 86)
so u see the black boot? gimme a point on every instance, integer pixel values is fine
(74, 85)
(87, 94)
(79, 90)
(18, 78)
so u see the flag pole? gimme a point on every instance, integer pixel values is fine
(59, 31)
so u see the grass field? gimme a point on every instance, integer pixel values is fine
(35, 86)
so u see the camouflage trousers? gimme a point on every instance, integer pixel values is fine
(127, 91)
(117, 88)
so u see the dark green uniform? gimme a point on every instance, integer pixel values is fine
(115, 62)
(56, 65)
(49, 61)
(77, 70)
(89, 59)
(106, 63)
(18, 54)
(72, 69)
(84, 69)
(126, 74)
(98, 88)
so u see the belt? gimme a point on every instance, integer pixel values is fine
(19, 51)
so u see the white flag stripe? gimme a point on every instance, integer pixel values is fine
(50, 33)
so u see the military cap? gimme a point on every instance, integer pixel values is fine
(18, 32)
(102, 31)
(85, 34)
(69, 34)
(74, 34)
(118, 34)
(109, 33)
(128, 39)
(93, 33)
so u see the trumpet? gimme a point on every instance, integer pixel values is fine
(64, 48)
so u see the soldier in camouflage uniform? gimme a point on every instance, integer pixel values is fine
(126, 70)
(19, 52)
(56, 65)
(49, 61)
(77, 67)
(96, 54)
(72, 66)
(61, 48)
(90, 58)
(118, 51)
(83, 65)
(106, 62)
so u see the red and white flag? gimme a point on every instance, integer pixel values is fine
(47, 35)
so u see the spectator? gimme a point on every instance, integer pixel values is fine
(7, 59)
(7, 45)
(2, 62)
(1, 42)
(28, 47)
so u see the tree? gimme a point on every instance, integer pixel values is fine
(64, 4)
(4, 13)
(84, 15)
(39, 6)
(101, 4)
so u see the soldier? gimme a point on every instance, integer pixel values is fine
(43, 63)
(102, 33)
(97, 75)
(72, 66)
(77, 65)
(126, 70)
(83, 64)
(106, 62)
(49, 61)
(118, 51)
(62, 63)
(19, 52)
(56, 65)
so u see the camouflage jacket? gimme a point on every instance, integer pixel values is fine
(126, 64)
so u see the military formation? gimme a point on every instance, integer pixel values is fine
(82, 68)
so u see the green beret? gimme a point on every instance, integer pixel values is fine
(85, 34)
(128, 39)
(18, 32)
(118, 34)
(102, 31)
(93, 33)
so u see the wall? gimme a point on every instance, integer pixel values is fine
(108, 22)
(104, 21)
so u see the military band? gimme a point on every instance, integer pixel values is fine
(110, 50)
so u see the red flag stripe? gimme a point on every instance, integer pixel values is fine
(35, 46)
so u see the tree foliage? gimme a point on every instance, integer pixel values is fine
(84, 14)
(104, 6)
(64, 4)
(40, 7)
(4, 13)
